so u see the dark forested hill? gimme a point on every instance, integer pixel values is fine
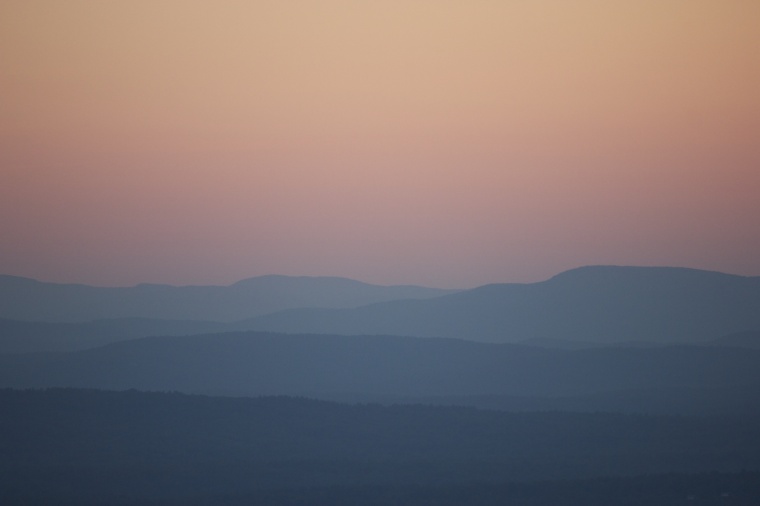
(373, 367)
(590, 304)
(27, 299)
(85, 447)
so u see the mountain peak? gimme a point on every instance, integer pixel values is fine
(629, 271)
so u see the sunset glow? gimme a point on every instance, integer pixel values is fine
(444, 143)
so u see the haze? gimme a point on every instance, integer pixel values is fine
(442, 143)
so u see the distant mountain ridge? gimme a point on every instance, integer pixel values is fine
(28, 299)
(603, 304)
(584, 307)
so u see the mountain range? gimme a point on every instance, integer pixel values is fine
(581, 308)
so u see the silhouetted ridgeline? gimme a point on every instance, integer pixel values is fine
(596, 304)
(82, 447)
(681, 379)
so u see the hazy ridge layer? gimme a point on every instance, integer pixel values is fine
(655, 379)
(27, 299)
(18, 336)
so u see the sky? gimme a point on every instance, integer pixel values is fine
(434, 142)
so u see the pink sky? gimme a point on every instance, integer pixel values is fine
(445, 143)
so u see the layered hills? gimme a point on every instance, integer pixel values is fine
(581, 308)
(617, 383)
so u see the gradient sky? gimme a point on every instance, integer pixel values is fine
(446, 143)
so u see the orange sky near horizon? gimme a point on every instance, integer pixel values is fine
(445, 143)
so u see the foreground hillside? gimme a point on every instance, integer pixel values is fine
(676, 379)
(87, 447)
